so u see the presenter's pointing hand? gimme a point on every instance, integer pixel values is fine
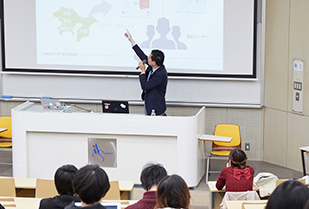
(141, 65)
(129, 37)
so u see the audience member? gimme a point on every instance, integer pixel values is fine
(237, 176)
(150, 178)
(289, 194)
(90, 183)
(173, 192)
(63, 182)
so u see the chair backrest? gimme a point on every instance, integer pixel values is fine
(113, 192)
(257, 204)
(7, 187)
(228, 130)
(6, 122)
(280, 181)
(45, 188)
(248, 195)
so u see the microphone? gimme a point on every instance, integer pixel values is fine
(144, 62)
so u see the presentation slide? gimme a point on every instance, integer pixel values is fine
(200, 37)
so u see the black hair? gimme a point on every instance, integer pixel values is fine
(63, 179)
(152, 175)
(238, 158)
(289, 194)
(157, 56)
(91, 183)
(173, 192)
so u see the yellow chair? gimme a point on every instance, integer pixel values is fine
(7, 187)
(45, 188)
(223, 149)
(113, 192)
(6, 136)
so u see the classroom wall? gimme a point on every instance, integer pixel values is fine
(286, 38)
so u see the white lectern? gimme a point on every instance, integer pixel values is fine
(43, 140)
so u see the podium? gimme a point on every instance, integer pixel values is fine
(44, 140)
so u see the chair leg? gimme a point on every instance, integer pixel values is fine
(207, 170)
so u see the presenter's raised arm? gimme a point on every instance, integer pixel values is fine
(129, 37)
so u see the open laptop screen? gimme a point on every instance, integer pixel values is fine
(107, 205)
(112, 106)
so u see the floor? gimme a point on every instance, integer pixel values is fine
(199, 195)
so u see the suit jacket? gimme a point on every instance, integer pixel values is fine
(57, 202)
(154, 89)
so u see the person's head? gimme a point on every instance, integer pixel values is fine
(91, 183)
(151, 175)
(156, 56)
(289, 194)
(150, 31)
(163, 26)
(173, 192)
(238, 158)
(63, 179)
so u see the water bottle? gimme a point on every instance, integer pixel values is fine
(153, 112)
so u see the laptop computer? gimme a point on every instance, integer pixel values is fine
(107, 205)
(112, 106)
(51, 104)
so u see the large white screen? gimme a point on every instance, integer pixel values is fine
(213, 37)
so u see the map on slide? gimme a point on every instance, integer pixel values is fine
(70, 19)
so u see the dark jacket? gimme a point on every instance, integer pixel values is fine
(58, 202)
(154, 89)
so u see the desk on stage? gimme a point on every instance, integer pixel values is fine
(46, 139)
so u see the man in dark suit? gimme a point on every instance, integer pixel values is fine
(153, 80)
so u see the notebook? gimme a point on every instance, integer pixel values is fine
(110, 106)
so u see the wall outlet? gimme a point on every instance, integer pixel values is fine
(247, 146)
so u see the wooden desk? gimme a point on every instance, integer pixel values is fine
(21, 202)
(25, 183)
(248, 204)
(216, 195)
(126, 188)
(29, 184)
(32, 203)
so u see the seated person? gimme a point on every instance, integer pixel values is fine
(150, 178)
(173, 192)
(90, 183)
(63, 182)
(289, 194)
(237, 176)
